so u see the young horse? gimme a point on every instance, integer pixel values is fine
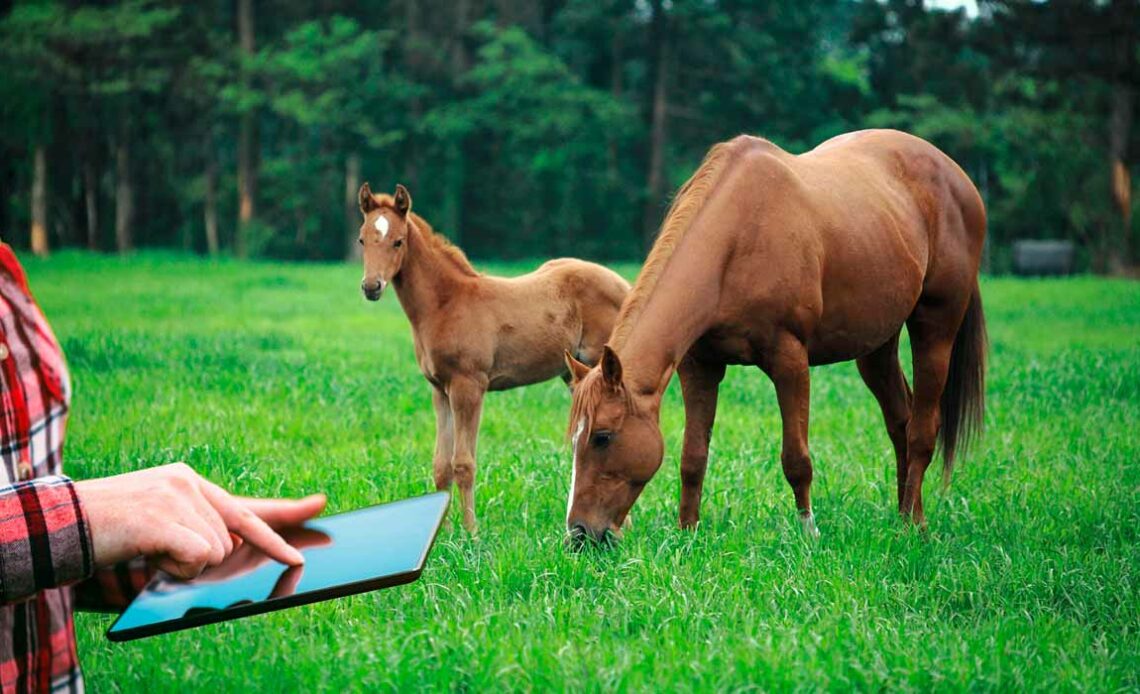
(785, 262)
(475, 333)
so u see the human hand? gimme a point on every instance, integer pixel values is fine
(184, 522)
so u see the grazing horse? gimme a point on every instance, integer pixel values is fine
(474, 332)
(786, 262)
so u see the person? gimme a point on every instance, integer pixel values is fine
(92, 544)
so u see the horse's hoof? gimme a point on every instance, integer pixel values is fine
(807, 524)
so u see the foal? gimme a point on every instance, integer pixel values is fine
(474, 332)
(785, 262)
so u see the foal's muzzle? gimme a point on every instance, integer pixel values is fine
(372, 292)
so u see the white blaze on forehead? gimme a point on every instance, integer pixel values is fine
(382, 226)
(574, 466)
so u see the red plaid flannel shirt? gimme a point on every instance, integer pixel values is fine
(45, 543)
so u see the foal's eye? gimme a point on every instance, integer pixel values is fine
(398, 243)
(601, 439)
(360, 240)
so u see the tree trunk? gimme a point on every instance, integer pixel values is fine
(351, 204)
(454, 159)
(247, 142)
(659, 35)
(124, 197)
(39, 237)
(616, 88)
(1118, 251)
(210, 211)
(91, 202)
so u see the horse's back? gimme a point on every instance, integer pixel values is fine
(852, 232)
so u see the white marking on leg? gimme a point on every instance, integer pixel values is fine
(574, 466)
(382, 226)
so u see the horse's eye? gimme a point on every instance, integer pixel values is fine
(360, 240)
(601, 439)
(398, 243)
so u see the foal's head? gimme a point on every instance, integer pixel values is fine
(383, 236)
(617, 449)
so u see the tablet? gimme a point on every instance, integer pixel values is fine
(354, 552)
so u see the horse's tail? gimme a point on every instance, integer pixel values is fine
(964, 399)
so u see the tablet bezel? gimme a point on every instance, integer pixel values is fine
(274, 604)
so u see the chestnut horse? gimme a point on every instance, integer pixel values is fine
(475, 333)
(785, 262)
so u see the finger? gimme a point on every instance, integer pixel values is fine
(213, 520)
(283, 513)
(192, 519)
(242, 521)
(187, 552)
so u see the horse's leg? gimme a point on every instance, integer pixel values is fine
(788, 369)
(699, 384)
(444, 440)
(466, 397)
(883, 375)
(932, 328)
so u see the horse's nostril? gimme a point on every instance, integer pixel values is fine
(577, 537)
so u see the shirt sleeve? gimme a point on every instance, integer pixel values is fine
(112, 588)
(44, 538)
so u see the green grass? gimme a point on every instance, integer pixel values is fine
(281, 379)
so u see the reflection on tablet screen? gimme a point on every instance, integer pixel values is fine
(363, 546)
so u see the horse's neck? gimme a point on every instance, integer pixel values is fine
(681, 307)
(424, 278)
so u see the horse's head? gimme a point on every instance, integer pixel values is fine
(617, 449)
(383, 236)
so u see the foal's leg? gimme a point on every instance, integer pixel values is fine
(699, 384)
(466, 396)
(444, 440)
(932, 329)
(788, 369)
(883, 375)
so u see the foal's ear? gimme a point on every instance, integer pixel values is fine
(367, 201)
(611, 367)
(578, 370)
(403, 199)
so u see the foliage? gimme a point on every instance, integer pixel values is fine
(524, 129)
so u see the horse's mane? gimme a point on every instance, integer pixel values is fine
(684, 208)
(590, 392)
(436, 241)
(588, 397)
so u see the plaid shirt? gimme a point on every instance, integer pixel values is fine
(45, 543)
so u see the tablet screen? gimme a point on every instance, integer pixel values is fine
(349, 553)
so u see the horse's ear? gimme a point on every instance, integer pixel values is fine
(403, 199)
(578, 370)
(611, 367)
(367, 201)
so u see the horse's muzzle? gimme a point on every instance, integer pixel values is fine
(581, 536)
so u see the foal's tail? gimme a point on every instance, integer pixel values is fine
(964, 398)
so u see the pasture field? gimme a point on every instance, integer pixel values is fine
(281, 379)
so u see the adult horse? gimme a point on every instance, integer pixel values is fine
(785, 262)
(473, 332)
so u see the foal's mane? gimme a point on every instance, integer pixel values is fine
(684, 208)
(436, 242)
